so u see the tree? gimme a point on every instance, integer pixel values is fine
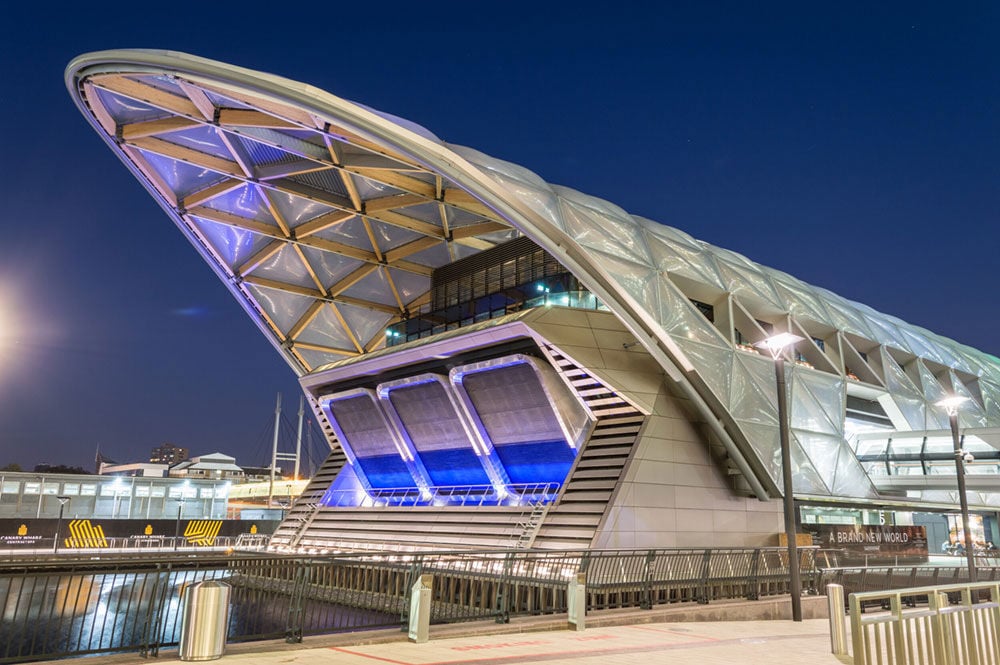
(58, 468)
(13, 466)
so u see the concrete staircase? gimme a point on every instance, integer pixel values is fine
(573, 521)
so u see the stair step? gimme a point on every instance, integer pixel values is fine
(608, 401)
(592, 392)
(633, 418)
(587, 496)
(572, 519)
(592, 473)
(612, 410)
(625, 430)
(582, 484)
(601, 447)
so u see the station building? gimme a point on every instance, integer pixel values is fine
(499, 361)
(27, 495)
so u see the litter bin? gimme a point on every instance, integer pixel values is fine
(204, 620)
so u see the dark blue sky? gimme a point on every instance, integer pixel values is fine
(852, 145)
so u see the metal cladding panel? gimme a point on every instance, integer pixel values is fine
(532, 427)
(372, 445)
(429, 417)
(633, 265)
(513, 406)
(364, 427)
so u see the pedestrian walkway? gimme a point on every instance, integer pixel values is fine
(663, 634)
(714, 643)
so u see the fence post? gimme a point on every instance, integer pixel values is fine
(936, 601)
(420, 609)
(858, 635)
(810, 556)
(293, 626)
(898, 643)
(753, 589)
(995, 615)
(706, 566)
(576, 595)
(416, 570)
(647, 599)
(503, 591)
(152, 628)
(838, 625)
(969, 623)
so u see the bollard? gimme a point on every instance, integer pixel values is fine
(838, 622)
(420, 609)
(204, 620)
(576, 602)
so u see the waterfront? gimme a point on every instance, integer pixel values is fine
(58, 613)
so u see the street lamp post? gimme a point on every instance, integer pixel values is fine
(776, 344)
(177, 528)
(62, 505)
(951, 404)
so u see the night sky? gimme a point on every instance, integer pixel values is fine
(854, 146)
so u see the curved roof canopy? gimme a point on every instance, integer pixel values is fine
(326, 218)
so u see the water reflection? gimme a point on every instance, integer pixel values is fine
(125, 611)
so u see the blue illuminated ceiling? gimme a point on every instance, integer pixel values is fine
(494, 429)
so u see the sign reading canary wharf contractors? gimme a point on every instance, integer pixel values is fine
(860, 543)
(98, 533)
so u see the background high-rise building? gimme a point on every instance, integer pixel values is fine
(168, 453)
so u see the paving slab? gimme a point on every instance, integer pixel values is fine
(677, 634)
(701, 643)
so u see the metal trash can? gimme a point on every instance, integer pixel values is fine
(204, 620)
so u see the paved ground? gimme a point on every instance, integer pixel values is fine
(715, 643)
(613, 637)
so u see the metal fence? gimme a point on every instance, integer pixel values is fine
(55, 608)
(859, 579)
(933, 625)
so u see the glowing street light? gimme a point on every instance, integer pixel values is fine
(776, 344)
(951, 405)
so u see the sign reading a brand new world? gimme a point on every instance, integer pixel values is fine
(857, 543)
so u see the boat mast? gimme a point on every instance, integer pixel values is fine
(274, 452)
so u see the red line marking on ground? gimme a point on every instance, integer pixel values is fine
(500, 645)
(370, 656)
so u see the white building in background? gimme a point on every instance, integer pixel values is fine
(482, 346)
(214, 466)
(145, 469)
(31, 495)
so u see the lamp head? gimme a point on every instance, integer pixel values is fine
(951, 404)
(775, 344)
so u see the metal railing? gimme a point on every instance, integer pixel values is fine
(953, 624)
(425, 324)
(501, 584)
(861, 579)
(58, 607)
(523, 494)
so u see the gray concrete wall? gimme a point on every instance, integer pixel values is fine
(672, 493)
